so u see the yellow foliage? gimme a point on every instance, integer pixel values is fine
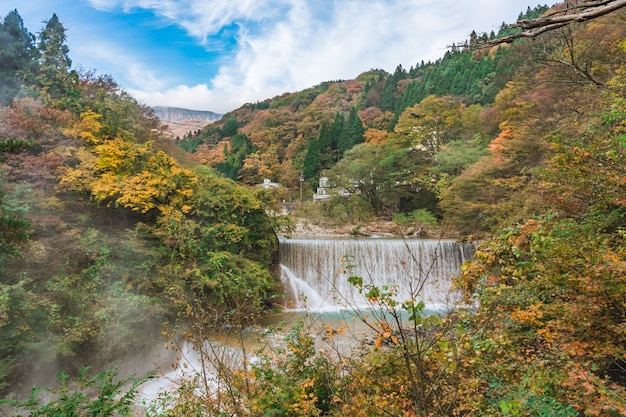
(531, 315)
(547, 335)
(129, 174)
(87, 128)
(119, 155)
(80, 178)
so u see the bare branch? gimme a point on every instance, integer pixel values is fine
(587, 13)
(574, 5)
(569, 12)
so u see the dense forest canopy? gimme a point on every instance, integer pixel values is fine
(107, 228)
(309, 131)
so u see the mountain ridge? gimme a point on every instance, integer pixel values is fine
(179, 114)
(180, 121)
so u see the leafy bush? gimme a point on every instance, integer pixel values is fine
(112, 397)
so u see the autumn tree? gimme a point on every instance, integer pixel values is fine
(551, 294)
(125, 234)
(486, 193)
(430, 124)
(127, 174)
(120, 114)
(550, 289)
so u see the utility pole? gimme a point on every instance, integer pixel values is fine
(301, 181)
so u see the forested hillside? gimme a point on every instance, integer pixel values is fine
(312, 133)
(107, 229)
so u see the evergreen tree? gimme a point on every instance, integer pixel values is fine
(390, 89)
(373, 92)
(334, 138)
(352, 133)
(328, 145)
(17, 54)
(56, 81)
(473, 38)
(476, 79)
(320, 153)
(240, 148)
(311, 162)
(230, 127)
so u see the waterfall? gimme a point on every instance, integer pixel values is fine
(315, 271)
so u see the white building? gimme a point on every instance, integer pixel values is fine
(322, 190)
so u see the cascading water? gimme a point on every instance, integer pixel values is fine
(315, 274)
(315, 271)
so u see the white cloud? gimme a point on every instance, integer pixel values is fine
(289, 45)
(301, 50)
(115, 59)
(195, 98)
(105, 5)
(199, 17)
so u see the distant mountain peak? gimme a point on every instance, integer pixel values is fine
(180, 121)
(177, 114)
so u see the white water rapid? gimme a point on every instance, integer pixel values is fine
(315, 271)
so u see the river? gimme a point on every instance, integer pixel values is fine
(315, 273)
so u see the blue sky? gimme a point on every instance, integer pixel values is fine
(219, 54)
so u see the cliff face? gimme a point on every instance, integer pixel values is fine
(180, 121)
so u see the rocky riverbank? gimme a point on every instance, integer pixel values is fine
(305, 228)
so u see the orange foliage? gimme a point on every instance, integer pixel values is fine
(498, 145)
(29, 119)
(530, 315)
(353, 87)
(375, 136)
(211, 155)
